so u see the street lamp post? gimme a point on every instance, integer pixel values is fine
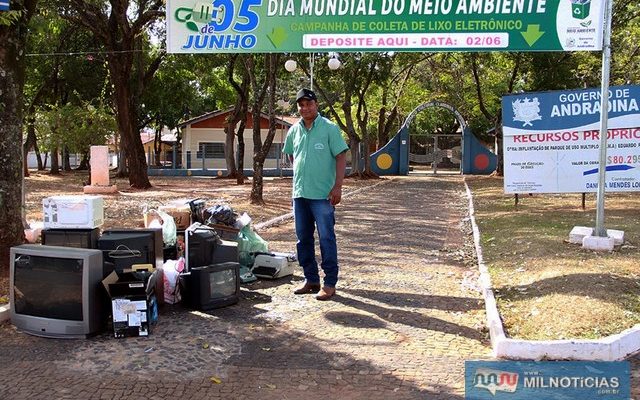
(333, 64)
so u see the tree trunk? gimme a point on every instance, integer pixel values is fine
(240, 174)
(130, 137)
(55, 162)
(381, 138)
(355, 156)
(240, 136)
(84, 163)
(353, 137)
(261, 150)
(157, 147)
(368, 173)
(66, 162)
(239, 115)
(41, 165)
(13, 38)
(121, 171)
(498, 149)
(229, 141)
(30, 143)
(384, 125)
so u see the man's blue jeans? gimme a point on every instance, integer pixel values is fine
(310, 214)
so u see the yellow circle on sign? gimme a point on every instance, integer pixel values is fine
(384, 161)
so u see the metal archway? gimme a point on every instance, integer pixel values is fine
(393, 158)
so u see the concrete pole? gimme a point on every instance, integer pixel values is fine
(311, 62)
(600, 229)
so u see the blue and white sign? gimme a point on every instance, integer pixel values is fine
(547, 380)
(4, 5)
(551, 141)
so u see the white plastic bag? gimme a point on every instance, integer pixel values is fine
(169, 229)
(172, 269)
(33, 232)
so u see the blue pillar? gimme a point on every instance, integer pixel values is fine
(403, 156)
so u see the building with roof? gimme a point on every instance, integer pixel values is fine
(203, 140)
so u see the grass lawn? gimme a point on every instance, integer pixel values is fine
(547, 288)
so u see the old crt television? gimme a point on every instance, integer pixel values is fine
(200, 243)
(125, 247)
(56, 291)
(213, 286)
(82, 238)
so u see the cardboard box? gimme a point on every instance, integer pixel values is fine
(130, 316)
(77, 212)
(181, 215)
(225, 232)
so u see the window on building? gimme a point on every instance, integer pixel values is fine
(274, 150)
(211, 150)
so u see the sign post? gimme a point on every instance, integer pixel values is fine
(600, 230)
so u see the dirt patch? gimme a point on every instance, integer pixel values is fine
(125, 209)
(547, 288)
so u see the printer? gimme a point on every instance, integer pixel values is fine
(274, 265)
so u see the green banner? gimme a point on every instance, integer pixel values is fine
(267, 26)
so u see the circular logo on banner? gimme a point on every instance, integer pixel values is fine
(384, 161)
(481, 162)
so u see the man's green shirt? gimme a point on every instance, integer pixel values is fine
(314, 157)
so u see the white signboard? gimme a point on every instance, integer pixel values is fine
(552, 140)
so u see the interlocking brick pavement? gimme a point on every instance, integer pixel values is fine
(405, 318)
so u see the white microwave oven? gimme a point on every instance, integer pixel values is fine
(75, 212)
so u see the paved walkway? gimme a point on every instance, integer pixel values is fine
(405, 319)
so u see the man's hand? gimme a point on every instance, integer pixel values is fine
(335, 195)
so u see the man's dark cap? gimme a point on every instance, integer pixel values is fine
(306, 94)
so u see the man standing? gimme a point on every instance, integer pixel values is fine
(318, 152)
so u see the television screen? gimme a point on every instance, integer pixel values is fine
(213, 286)
(56, 291)
(126, 247)
(48, 287)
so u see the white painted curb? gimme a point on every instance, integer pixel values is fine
(282, 218)
(610, 348)
(4, 312)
